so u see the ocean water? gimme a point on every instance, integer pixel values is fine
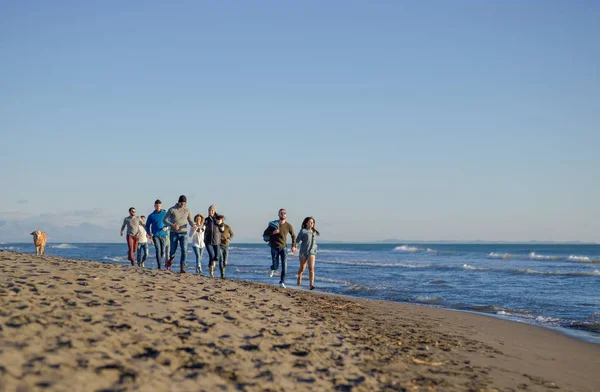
(556, 286)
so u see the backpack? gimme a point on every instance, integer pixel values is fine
(274, 224)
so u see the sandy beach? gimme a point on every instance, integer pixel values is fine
(90, 326)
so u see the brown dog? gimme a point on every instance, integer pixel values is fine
(39, 241)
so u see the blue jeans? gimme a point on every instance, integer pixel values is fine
(160, 242)
(182, 239)
(276, 254)
(142, 252)
(198, 252)
(214, 255)
(225, 254)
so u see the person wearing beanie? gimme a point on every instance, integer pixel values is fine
(212, 240)
(177, 219)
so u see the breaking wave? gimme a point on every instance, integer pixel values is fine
(408, 249)
(63, 246)
(535, 256)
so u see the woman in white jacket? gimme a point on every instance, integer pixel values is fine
(198, 241)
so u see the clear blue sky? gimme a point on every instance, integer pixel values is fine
(454, 120)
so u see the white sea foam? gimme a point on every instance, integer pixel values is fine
(63, 246)
(406, 248)
(117, 258)
(337, 281)
(563, 273)
(495, 255)
(10, 247)
(428, 300)
(535, 256)
(371, 264)
(543, 319)
(470, 267)
(579, 259)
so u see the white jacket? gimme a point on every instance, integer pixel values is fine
(142, 239)
(197, 236)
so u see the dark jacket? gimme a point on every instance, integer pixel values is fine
(212, 235)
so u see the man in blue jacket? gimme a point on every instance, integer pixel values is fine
(157, 230)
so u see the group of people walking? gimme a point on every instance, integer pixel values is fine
(171, 229)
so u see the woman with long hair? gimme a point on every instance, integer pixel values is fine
(308, 250)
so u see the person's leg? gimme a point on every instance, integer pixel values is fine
(167, 246)
(274, 259)
(135, 245)
(221, 261)
(201, 253)
(184, 244)
(157, 249)
(211, 258)
(225, 254)
(163, 240)
(197, 254)
(172, 251)
(311, 271)
(139, 254)
(283, 255)
(301, 270)
(144, 253)
(130, 248)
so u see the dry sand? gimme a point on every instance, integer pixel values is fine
(85, 326)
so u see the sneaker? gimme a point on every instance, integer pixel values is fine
(282, 285)
(312, 287)
(271, 273)
(169, 263)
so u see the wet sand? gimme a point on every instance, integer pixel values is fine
(90, 326)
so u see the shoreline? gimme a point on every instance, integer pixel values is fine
(98, 325)
(576, 328)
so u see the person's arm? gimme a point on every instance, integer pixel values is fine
(230, 234)
(148, 226)
(189, 219)
(294, 245)
(192, 230)
(123, 226)
(166, 219)
(300, 237)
